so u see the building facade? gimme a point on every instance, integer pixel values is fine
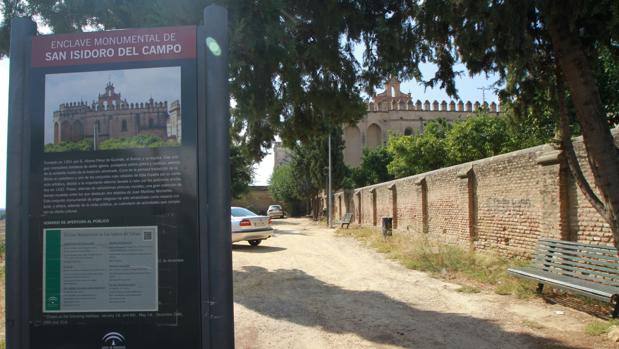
(110, 116)
(394, 112)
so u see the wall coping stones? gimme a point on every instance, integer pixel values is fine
(465, 171)
(551, 157)
(540, 149)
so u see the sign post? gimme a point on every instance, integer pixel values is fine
(117, 229)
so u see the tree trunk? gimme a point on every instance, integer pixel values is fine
(599, 143)
(570, 154)
(316, 208)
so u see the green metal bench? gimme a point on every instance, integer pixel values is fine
(346, 219)
(589, 270)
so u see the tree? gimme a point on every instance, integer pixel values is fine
(373, 168)
(419, 153)
(241, 170)
(310, 165)
(478, 137)
(284, 186)
(140, 141)
(83, 145)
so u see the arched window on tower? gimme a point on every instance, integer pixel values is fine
(408, 131)
(124, 126)
(151, 123)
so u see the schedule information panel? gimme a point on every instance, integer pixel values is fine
(109, 269)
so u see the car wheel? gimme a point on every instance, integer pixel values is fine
(255, 242)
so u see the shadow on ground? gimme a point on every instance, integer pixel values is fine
(237, 247)
(293, 295)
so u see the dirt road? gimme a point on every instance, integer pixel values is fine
(306, 288)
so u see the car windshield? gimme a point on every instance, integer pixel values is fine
(241, 212)
(275, 207)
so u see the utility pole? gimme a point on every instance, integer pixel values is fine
(483, 93)
(330, 194)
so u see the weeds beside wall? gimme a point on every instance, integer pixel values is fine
(504, 203)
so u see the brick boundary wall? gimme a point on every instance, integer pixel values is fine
(502, 204)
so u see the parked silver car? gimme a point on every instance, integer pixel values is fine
(248, 226)
(276, 211)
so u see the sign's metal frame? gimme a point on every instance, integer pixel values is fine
(213, 178)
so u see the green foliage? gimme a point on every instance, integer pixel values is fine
(419, 153)
(442, 144)
(140, 141)
(241, 170)
(607, 73)
(478, 137)
(306, 175)
(373, 168)
(311, 160)
(83, 145)
(283, 185)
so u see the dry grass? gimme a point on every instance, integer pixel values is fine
(598, 328)
(474, 270)
(468, 289)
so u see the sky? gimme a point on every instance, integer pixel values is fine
(468, 88)
(134, 85)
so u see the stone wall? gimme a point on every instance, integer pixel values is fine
(504, 203)
(257, 199)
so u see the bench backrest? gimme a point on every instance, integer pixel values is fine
(347, 218)
(593, 263)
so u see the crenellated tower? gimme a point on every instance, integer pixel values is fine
(395, 112)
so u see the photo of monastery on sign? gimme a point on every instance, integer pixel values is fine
(119, 109)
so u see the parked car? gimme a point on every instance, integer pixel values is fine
(276, 211)
(248, 226)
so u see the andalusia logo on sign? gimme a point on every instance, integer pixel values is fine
(113, 340)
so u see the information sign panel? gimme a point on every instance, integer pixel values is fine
(113, 234)
(117, 139)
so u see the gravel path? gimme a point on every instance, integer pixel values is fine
(306, 288)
